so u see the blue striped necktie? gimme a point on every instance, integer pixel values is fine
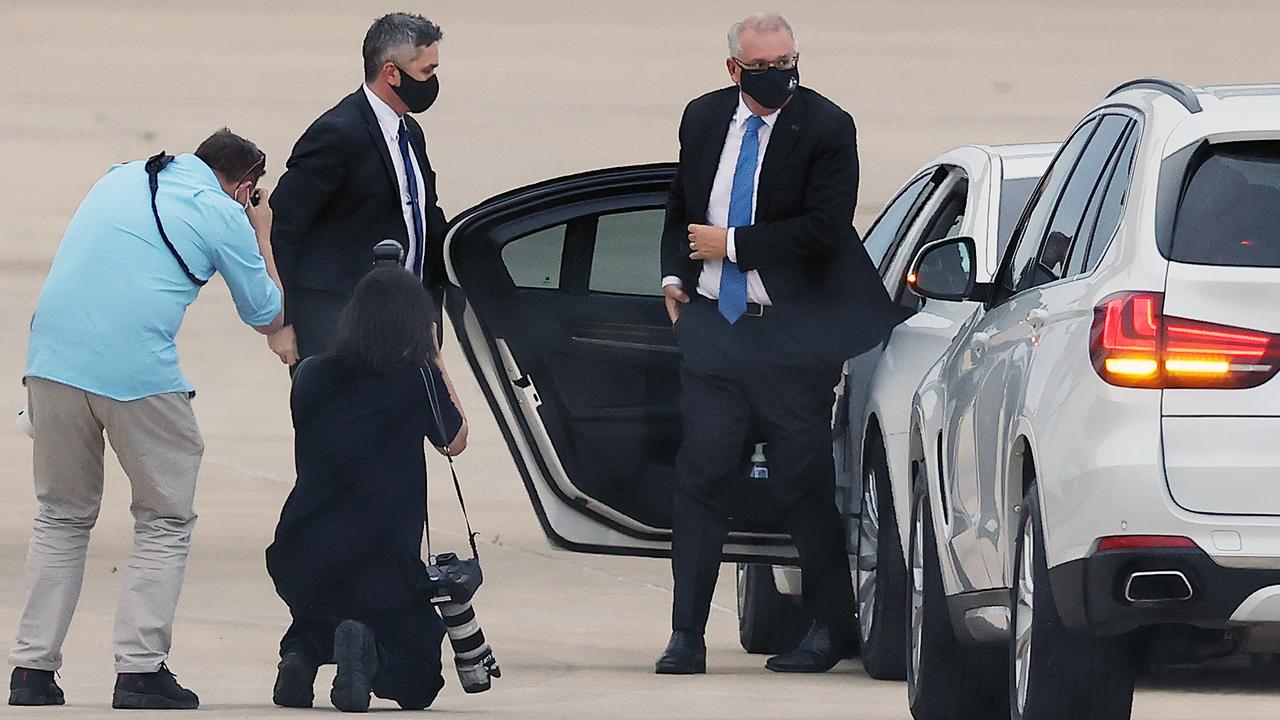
(415, 210)
(733, 283)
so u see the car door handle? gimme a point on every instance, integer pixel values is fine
(1037, 317)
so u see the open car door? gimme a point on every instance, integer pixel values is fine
(556, 302)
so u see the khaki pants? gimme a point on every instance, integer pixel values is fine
(159, 446)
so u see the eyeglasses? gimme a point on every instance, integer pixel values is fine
(786, 63)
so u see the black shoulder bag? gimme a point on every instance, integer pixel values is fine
(154, 165)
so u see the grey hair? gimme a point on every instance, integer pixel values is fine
(396, 38)
(760, 22)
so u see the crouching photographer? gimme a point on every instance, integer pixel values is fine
(347, 552)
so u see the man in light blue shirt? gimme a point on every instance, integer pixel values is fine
(102, 358)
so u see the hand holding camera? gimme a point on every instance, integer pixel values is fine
(259, 209)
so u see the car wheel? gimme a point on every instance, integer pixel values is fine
(768, 621)
(1057, 673)
(881, 573)
(945, 679)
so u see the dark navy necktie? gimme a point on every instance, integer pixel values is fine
(733, 283)
(415, 208)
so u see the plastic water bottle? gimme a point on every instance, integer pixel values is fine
(759, 469)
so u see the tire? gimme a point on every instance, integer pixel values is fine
(768, 621)
(1063, 673)
(881, 573)
(946, 680)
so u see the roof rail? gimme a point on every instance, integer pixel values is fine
(1176, 90)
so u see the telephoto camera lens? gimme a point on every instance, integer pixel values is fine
(471, 653)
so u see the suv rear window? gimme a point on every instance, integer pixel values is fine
(1230, 212)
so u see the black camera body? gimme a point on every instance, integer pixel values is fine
(388, 251)
(453, 579)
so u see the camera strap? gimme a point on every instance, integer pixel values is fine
(457, 486)
(154, 165)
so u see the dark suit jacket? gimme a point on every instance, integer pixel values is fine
(339, 196)
(823, 285)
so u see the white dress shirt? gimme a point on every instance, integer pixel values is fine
(389, 121)
(718, 204)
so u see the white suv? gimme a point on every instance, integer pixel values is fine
(974, 191)
(1096, 454)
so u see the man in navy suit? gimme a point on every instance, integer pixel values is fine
(770, 290)
(359, 175)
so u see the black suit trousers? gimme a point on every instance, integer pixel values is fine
(790, 405)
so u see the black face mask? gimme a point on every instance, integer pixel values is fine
(771, 88)
(418, 95)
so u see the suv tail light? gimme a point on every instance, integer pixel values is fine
(1134, 344)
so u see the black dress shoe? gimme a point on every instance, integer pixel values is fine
(157, 690)
(34, 687)
(686, 654)
(356, 653)
(295, 681)
(818, 652)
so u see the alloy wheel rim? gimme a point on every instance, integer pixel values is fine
(917, 596)
(1023, 617)
(868, 555)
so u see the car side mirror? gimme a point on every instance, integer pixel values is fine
(945, 270)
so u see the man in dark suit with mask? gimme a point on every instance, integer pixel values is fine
(770, 291)
(359, 175)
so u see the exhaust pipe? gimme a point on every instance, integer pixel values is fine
(1158, 586)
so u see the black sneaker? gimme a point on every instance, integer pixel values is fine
(157, 690)
(295, 682)
(356, 654)
(34, 687)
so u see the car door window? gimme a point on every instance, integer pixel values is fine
(1013, 198)
(1080, 251)
(1111, 205)
(1018, 271)
(533, 261)
(1076, 195)
(626, 255)
(945, 222)
(894, 220)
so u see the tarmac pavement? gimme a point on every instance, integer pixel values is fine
(530, 90)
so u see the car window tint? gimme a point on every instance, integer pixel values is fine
(894, 219)
(1013, 198)
(1230, 212)
(627, 249)
(1112, 206)
(1018, 271)
(1079, 190)
(533, 261)
(945, 222)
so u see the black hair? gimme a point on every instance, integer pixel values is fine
(387, 323)
(394, 32)
(232, 157)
